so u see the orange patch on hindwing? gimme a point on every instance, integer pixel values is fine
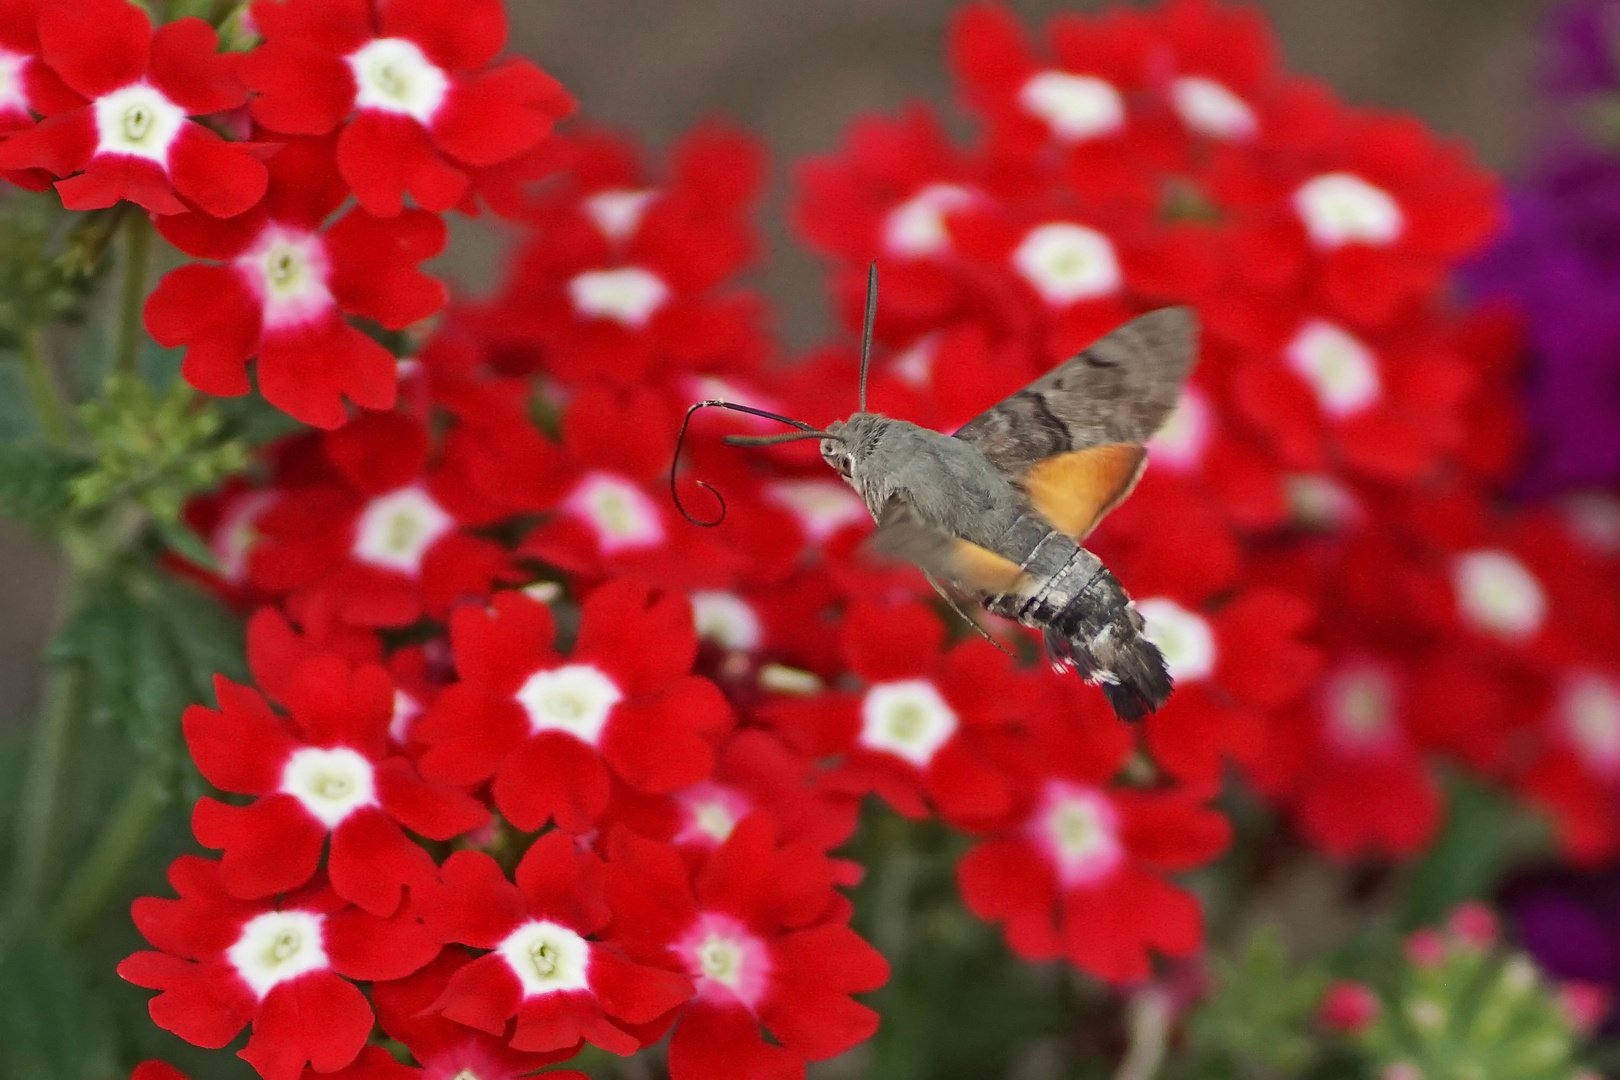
(1073, 491)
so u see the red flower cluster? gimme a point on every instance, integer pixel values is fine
(539, 764)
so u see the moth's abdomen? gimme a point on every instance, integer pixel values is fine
(1086, 617)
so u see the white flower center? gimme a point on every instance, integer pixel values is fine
(547, 958)
(629, 295)
(1594, 519)
(331, 783)
(617, 213)
(1211, 109)
(908, 719)
(1066, 263)
(823, 507)
(235, 534)
(618, 511)
(406, 710)
(709, 813)
(1342, 208)
(1078, 829)
(396, 529)
(1359, 708)
(1318, 501)
(781, 679)
(287, 269)
(278, 946)
(727, 620)
(13, 92)
(1180, 443)
(725, 959)
(1185, 639)
(1497, 595)
(137, 121)
(917, 226)
(393, 75)
(1589, 709)
(576, 699)
(1075, 107)
(1339, 369)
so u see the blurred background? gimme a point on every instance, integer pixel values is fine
(797, 71)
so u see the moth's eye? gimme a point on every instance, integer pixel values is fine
(849, 464)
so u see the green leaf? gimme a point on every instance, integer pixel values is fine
(51, 1027)
(1485, 832)
(35, 484)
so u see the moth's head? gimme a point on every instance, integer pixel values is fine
(854, 439)
(838, 452)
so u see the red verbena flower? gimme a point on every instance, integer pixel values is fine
(283, 286)
(282, 965)
(1077, 871)
(546, 965)
(547, 729)
(325, 771)
(412, 84)
(753, 931)
(129, 134)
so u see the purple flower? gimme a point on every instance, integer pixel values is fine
(1559, 262)
(1570, 922)
(1584, 53)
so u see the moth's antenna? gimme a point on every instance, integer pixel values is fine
(866, 331)
(805, 432)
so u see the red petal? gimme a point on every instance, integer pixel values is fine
(631, 992)
(501, 649)
(372, 860)
(434, 810)
(240, 748)
(271, 846)
(62, 145)
(483, 995)
(562, 883)
(552, 776)
(618, 623)
(658, 745)
(207, 237)
(492, 117)
(305, 371)
(475, 904)
(365, 947)
(190, 71)
(460, 36)
(716, 1039)
(383, 156)
(1001, 878)
(222, 178)
(300, 90)
(894, 643)
(97, 46)
(109, 178)
(209, 310)
(374, 266)
(319, 1019)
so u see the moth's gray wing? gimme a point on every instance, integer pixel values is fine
(958, 563)
(1116, 391)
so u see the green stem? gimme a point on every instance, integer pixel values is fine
(49, 406)
(97, 879)
(41, 791)
(132, 295)
(1150, 1012)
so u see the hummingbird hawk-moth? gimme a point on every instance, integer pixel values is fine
(997, 512)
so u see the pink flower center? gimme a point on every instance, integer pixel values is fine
(547, 958)
(617, 213)
(277, 947)
(1341, 371)
(1066, 263)
(1184, 637)
(908, 719)
(726, 620)
(1186, 434)
(1077, 828)
(708, 814)
(1209, 108)
(725, 959)
(235, 534)
(138, 121)
(1498, 595)
(1359, 709)
(917, 226)
(618, 512)
(1588, 711)
(396, 530)
(406, 710)
(628, 295)
(13, 92)
(822, 507)
(288, 269)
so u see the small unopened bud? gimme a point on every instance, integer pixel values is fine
(1586, 1004)
(1425, 948)
(1473, 924)
(1349, 1007)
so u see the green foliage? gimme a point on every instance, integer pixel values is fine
(1485, 833)
(50, 261)
(156, 451)
(35, 484)
(51, 1027)
(1257, 1020)
(1475, 1015)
